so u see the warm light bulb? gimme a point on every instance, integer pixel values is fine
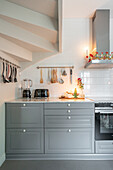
(86, 51)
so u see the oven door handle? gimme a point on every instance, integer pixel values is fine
(103, 113)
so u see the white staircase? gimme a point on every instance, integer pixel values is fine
(30, 29)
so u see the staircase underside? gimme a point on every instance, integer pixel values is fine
(31, 26)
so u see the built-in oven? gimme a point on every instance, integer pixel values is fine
(103, 121)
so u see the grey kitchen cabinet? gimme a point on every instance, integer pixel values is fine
(24, 128)
(71, 140)
(42, 130)
(69, 128)
(24, 141)
(104, 147)
(24, 115)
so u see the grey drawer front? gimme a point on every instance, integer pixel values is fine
(69, 112)
(24, 116)
(63, 141)
(23, 104)
(104, 147)
(69, 121)
(69, 105)
(18, 141)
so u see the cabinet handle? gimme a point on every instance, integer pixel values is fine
(68, 105)
(24, 105)
(69, 130)
(24, 130)
(68, 111)
(69, 117)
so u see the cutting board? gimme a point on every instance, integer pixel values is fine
(70, 98)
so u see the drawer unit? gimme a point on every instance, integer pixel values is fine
(104, 147)
(68, 141)
(68, 105)
(52, 112)
(24, 141)
(69, 121)
(24, 115)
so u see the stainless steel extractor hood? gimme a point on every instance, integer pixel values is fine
(101, 38)
(100, 31)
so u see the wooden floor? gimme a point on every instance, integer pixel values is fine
(57, 165)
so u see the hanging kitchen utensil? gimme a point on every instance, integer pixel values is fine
(54, 76)
(52, 81)
(48, 79)
(3, 76)
(7, 73)
(1, 69)
(10, 77)
(41, 79)
(71, 76)
(64, 73)
(61, 81)
(15, 75)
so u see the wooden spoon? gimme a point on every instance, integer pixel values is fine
(41, 79)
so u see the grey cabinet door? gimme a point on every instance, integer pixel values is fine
(69, 141)
(69, 121)
(24, 141)
(104, 147)
(19, 116)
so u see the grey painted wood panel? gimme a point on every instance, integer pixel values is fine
(69, 111)
(24, 141)
(24, 116)
(69, 105)
(104, 147)
(69, 141)
(69, 121)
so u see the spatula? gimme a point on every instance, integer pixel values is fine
(41, 79)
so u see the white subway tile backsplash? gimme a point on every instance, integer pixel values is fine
(98, 82)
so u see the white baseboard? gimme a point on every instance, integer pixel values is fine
(2, 159)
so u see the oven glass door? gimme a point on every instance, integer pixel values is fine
(104, 126)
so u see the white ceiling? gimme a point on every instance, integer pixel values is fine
(85, 8)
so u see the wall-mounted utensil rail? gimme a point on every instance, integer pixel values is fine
(55, 67)
(9, 62)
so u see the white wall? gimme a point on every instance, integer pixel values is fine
(7, 92)
(75, 39)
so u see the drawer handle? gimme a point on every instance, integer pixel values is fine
(69, 117)
(68, 105)
(24, 105)
(69, 111)
(24, 130)
(69, 130)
